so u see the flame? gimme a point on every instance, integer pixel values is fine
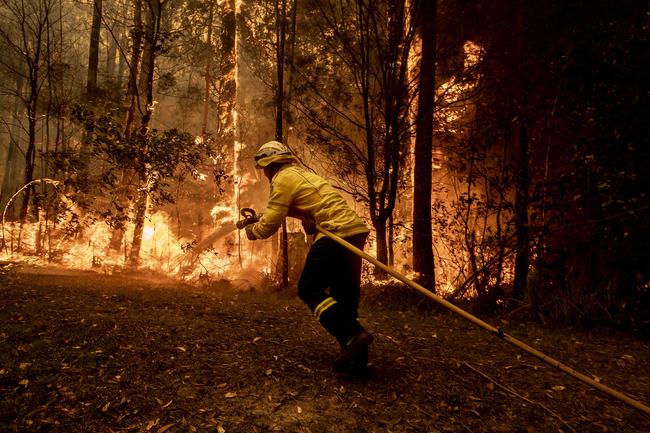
(214, 257)
(402, 264)
(224, 213)
(454, 91)
(43, 243)
(473, 53)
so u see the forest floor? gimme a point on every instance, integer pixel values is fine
(85, 352)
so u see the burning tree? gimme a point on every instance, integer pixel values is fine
(122, 167)
(157, 157)
(148, 161)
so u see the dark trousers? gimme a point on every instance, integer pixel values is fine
(329, 285)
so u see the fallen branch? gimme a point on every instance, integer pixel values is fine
(513, 392)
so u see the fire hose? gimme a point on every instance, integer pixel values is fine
(493, 330)
(250, 217)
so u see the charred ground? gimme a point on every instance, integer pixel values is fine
(84, 352)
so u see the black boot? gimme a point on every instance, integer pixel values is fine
(354, 355)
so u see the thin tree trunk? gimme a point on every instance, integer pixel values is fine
(148, 63)
(208, 75)
(136, 53)
(292, 66)
(121, 66)
(133, 101)
(391, 240)
(30, 154)
(45, 147)
(14, 163)
(92, 90)
(423, 261)
(280, 17)
(60, 131)
(522, 258)
(500, 235)
(280, 23)
(371, 161)
(33, 54)
(146, 83)
(93, 52)
(522, 179)
(394, 95)
(382, 246)
(111, 53)
(140, 207)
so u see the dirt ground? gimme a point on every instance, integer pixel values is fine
(84, 352)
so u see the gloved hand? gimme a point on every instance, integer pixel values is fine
(249, 233)
(246, 222)
(250, 217)
(309, 225)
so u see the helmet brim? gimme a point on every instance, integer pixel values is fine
(274, 159)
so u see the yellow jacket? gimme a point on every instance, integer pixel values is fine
(301, 194)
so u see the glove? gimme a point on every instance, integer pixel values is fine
(249, 233)
(245, 222)
(248, 220)
(309, 225)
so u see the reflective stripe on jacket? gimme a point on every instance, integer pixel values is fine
(298, 193)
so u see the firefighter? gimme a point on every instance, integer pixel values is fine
(330, 279)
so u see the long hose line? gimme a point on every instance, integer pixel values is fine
(493, 330)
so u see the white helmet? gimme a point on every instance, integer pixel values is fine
(273, 152)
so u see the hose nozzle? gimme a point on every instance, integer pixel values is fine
(250, 217)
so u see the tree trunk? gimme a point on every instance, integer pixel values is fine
(522, 179)
(291, 61)
(59, 141)
(394, 95)
(30, 159)
(148, 64)
(92, 90)
(522, 258)
(122, 64)
(423, 261)
(146, 84)
(14, 163)
(30, 154)
(208, 76)
(140, 207)
(134, 66)
(280, 30)
(391, 240)
(33, 57)
(382, 245)
(280, 17)
(133, 101)
(111, 53)
(93, 52)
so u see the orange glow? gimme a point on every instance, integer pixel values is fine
(161, 250)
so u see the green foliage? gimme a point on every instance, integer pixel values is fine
(119, 164)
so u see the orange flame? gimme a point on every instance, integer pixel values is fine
(43, 243)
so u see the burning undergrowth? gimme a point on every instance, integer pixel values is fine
(78, 241)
